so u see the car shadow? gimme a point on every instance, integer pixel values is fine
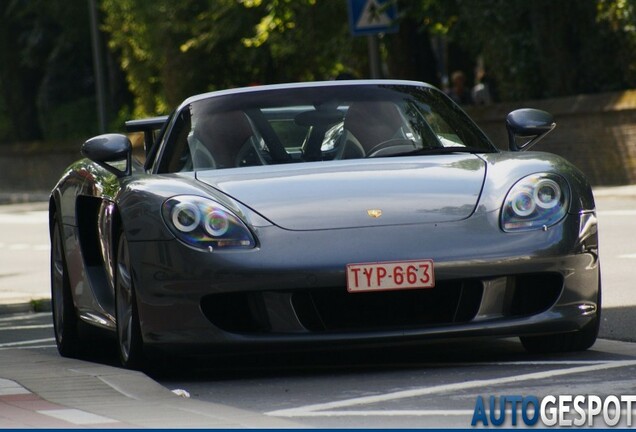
(430, 355)
(617, 324)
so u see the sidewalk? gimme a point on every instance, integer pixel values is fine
(23, 197)
(40, 389)
(628, 191)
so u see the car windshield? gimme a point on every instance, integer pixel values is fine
(317, 123)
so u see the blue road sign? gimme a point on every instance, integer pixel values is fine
(372, 16)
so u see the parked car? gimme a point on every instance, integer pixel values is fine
(331, 214)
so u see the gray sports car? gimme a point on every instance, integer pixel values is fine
(322, 214)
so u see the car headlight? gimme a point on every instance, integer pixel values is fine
(206, 224)
(534, 202)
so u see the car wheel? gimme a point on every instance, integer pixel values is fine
(563, 342)
(129, 339)
(64, 315)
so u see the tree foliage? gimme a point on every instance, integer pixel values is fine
(618, 19)
(547, 48)
(304, 39)
(537, 49)
(168, 50)
(44, 66)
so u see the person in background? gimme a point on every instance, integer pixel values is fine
(481, 93)
(458, 90)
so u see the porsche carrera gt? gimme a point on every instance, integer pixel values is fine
(343, 213)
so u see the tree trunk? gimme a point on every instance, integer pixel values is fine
(411, 55)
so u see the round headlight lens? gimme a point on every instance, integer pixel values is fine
(523, 204)
(536, 201)
(185, 217)
(205, 224)
(547, 193)
(216, 223)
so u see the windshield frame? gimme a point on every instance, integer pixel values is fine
(322, 94)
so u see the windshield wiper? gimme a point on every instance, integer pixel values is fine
(442, 150)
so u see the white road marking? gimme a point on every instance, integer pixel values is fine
(30, 347)
(77, 417)
(388, 413)
(629, 256)
(27, 316)
(11, 388)
(325, 409)
(22, 343)
(26, 218)
(27, 327)
(25, 246)
(616, 213)
(522, 363)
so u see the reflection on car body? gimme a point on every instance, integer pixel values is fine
(323, 214)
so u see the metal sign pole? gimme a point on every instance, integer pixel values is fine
(374, 57)
(370, 18)
(100, 87)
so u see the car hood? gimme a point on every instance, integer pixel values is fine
(360, 193)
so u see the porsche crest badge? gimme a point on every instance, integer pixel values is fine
(374, 213)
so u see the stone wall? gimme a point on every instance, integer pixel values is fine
(34, 167)
(597, 133)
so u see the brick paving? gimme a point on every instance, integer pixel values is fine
(19, 408)
(40, 389)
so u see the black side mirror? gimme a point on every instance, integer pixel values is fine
(529, 125)
(110, 151)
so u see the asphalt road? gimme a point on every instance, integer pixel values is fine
(24, 252)
(431, 386)
(434, 386)
(617, 231)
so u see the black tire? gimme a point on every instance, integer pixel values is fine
(129, 339)
(65, 321)
(579, 340)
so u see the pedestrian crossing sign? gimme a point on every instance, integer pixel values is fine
(372, 16)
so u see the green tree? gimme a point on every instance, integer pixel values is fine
(618, 17)
(170, 50)
(146, 36)
(546, 48)
(23, 50)
(423, 25)
(45, 69)
(306, 40)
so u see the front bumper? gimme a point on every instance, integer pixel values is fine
(488, 283)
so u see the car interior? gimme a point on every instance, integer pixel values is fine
(303, 133)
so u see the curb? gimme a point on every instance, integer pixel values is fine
(628, 191)
(40, 305)
(23, 197)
